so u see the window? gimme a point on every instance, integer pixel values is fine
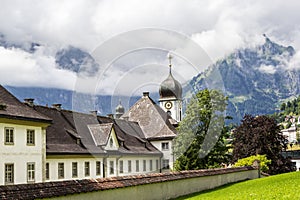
(156, 163)
(150, 164)
(47, 171)
(9, 136)
(74, 169)
(111, 167)
(144, 165)
(166, 164)
(137, 166)
(98, 168)
(30, 137)
(30, 172)
(121, 167)
(61, 170)
(9, 173)
(111, 142)
(129, 165)
(86, 168)
(165, 145)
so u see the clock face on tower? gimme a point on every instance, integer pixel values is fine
(168, 105)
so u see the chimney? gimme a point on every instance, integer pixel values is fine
(94, 112)
(57, 106)
(110, 116)
(146, 94)
(29, 102)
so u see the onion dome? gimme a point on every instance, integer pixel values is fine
(170, 88)
(120, 110)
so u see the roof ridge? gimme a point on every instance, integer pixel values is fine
(17, 109)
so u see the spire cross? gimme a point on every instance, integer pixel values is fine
(170, 60)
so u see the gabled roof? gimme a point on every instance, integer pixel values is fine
(93, 132)
(62, 135)
(12, 108)
(154, 121)
(130, 127)
(100, 133)
(130, 140)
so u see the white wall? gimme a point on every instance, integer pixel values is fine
(53, 166)
(297, 164)
(167, 189)
(20, 153)
(141, 159)
(167, 154)
(176, 110)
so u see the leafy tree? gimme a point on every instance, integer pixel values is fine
(283, 106)
(264, 162)
(261, 135)
(201, 139)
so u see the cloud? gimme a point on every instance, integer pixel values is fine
(219, 27)
(21, 68)
(294, 62)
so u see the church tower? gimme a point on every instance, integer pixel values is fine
(170, 92)
(119, 110)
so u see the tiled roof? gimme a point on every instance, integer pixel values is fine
(133, 144)
(62, 134)
(130, 127)
(93, 132)
(100, 133)
(63, 188)
(153, 120)
(13, 108)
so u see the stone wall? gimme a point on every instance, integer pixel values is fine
(148, 186)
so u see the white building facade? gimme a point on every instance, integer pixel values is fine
(42, 144)
(22, 141)
(22, 152)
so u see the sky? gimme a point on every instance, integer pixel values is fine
(131, 38)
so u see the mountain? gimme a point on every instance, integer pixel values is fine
(256, 80)
(28, 47)
(70, 100)
(68, 58)
(76, 60)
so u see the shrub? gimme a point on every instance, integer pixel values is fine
(264, 162)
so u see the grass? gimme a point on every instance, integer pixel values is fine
(283, 186)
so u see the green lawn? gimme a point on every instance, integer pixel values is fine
(283, 186)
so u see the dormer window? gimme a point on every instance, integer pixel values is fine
(77, 141)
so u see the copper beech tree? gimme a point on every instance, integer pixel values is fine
(261, 135)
